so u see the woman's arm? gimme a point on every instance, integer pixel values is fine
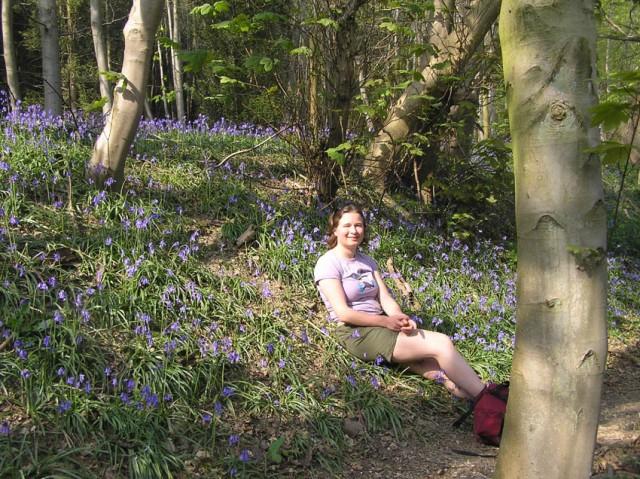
(333, 291)
(389, 305)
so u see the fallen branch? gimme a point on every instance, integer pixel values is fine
(405, 288)
(240, 152)
(246, 237)
(6, 342)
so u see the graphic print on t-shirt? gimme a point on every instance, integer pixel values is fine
(364, 278)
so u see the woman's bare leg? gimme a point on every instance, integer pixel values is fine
(430, 369)
(417, 347)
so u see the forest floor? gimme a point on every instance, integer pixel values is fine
(433, 449)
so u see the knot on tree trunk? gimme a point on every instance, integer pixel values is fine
(558, 111)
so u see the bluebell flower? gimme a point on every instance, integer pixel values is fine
(64, 406)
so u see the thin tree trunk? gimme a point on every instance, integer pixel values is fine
(455, 46)
(364, 94)
(100, 49)
(314, 115)
(176, 63)
(163, 86)
(71, 61)
(549, 51)
(9, 49)
(110, 151)
(51, 73)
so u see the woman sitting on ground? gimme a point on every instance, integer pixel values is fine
(370, 322)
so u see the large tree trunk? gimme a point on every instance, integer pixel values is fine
(100, 49)
(561, 343)
(51, 73)
(342, 89)
(455, 46)
(112, 146)
(9, 49)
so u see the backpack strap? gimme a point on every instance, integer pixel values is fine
(463, 417)
(495, 390)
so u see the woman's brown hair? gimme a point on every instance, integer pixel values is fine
(334, 221)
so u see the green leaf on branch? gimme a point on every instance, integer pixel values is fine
(268, 17)
(116, 77)
(610, 114)
(306, 51)
(403, 85)
(442, 65)
(413, 149)
(629, 76)
(336, 153)
(397, 29)
(211, 10)
(240, 24)
(259, 63)
(168, 43)
(392, 27)
(612, 152)
(229, 81)
(96, 105)
(327, 22)
(113, 76)
(195, 61)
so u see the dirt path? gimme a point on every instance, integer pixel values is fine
(446, 452)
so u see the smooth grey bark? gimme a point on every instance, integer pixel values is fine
(9, 52)
(106, 167)
(100, 49)
(163, 86)
(176, 63)
(456, 44)
(51, 71)
(561, 341)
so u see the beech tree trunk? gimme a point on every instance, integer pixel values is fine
(100, 49)
(549, 51)
(51, 72)
(9, 50)
(456, 46)
(106, 167)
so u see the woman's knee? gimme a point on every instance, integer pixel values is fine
(442, 343)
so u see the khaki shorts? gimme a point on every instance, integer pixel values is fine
(367, 342)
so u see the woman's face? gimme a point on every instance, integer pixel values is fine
(350, 230)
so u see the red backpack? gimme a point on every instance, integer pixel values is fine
(488, 410)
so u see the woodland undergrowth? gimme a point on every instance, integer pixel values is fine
(139, 339)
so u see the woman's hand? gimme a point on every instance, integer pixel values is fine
(411, 327)
(400, 322)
